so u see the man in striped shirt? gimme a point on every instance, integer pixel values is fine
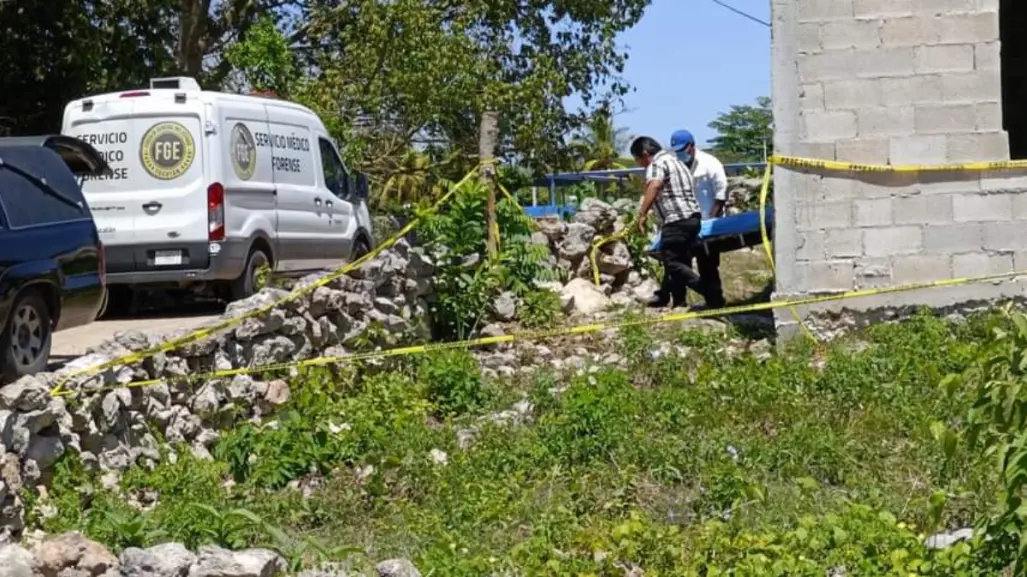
(670, 188)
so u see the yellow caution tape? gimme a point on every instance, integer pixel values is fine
(596, 244)
(570, 331)
(837, 165)
(768, 248)
(205, 332)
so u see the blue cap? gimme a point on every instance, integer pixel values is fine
(681, 139)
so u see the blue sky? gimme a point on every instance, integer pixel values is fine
(689, 60)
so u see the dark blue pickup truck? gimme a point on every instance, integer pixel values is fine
(51, 259)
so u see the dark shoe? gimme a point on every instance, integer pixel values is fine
(658, 302)
(715, 304)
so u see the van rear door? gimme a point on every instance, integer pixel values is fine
(152, 212)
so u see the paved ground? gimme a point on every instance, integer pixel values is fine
(73, 342)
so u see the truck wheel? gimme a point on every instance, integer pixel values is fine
(249, 281)
(26, 340)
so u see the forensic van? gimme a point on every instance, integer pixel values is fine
(206, 189)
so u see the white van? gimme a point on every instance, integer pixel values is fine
(209, 187)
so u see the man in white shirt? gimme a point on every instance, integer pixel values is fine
(711, 193)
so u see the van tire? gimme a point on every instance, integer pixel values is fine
(28, 352)
(246, 285)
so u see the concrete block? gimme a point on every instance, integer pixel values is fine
(873, 273)
(911, 31)
(808, 37)
(843, 243)
(832, 214)
(873, 212)
(815, 10)
(835, 187)
(1020, 261)
(878, 9)
(927, 149)
(918, 89)
(885, 121)
(943, 6)
(919, 268)
(810, 246)
(983, 146)
(972, 87)
(860, 34)
(953, 238)
(1014, 183)
(852, 94)
(922, 209)
(829, 126)
(1005, 236)
(982, 207)
(895, 240)
(827, 275)
(976, 264)
(885, 184)
(945, 118)
(1020, 206)
(954, 28)
(943, 58)
(988, 56)
(811, 97)
(989, 116)
(863, 150)
(883, 62)
(949, 182)
(833, 65)
(819, 150)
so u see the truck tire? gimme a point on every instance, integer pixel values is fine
(360, 248)
(26, 340)
(247, 283)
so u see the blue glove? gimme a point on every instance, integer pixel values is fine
(656, 243)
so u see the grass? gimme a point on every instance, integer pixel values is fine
(681, 465)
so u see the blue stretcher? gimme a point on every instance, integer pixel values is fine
(728, 233)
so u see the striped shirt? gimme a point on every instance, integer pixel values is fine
(676, 199)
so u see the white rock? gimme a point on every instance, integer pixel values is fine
(586, 298)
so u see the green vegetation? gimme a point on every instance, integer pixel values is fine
(708, 463)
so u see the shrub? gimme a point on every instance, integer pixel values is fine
(540, 309)
(452, 380)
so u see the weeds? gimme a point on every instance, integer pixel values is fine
(693, 461)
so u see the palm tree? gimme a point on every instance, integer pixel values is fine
(600, 145)
(602, 142)
(409, 182)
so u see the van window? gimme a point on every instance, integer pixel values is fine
(334, 171)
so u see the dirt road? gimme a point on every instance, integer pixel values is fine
(73, 342)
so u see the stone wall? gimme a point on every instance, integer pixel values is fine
(892, 82)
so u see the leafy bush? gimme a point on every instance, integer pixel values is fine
(466, 281)
(803, 463)
(540, 309)
(452, 380)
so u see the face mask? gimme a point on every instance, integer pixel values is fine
(684, 156)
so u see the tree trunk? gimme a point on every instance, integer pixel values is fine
(488, 141)
(192, 36)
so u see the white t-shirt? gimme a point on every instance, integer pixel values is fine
(710, 181)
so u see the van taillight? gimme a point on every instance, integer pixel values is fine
(216, 212)
(134, 93)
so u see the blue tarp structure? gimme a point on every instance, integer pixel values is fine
(725, 234)
(558, 179)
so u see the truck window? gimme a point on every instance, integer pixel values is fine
(334, 171)
(25, 203)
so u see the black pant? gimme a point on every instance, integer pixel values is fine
(677, 239)
(709, 273)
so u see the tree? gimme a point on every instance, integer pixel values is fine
(423, 71)
(743, 132)
(601, 143)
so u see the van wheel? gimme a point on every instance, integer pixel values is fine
(360, 248)
(250, 281)
(26, 340)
